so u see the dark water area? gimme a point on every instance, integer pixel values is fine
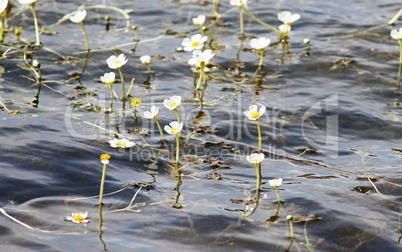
(332, 130)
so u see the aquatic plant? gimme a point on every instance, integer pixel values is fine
(241, 4)
(105, 161)
(196, 42)
(109, 79)
(79, 218)
(174, 128)
(200, 60)
(254, 115)
(114, 62)
(32, 4)
(121, 143)
(276, 183)
(146, 61)
(78, 18)
(172, 103)
(153, 114)
(260, 44)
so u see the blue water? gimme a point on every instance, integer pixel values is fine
(350, 114)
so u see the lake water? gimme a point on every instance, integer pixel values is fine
(332, 130)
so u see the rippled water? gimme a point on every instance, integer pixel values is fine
(340, 99)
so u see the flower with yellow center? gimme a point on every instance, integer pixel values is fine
(275, 183)
(288, 18)
(259, 43)
(284, 29)
(196, 42)
(201, 59)
(174, 128)
(136, 102)
(78, 218)
(153, 113)
(199, 20)
(252, 112)
(255, 158)
(145, 60)
(105, 158)
(121, 143)
(78, 17)
(116, 62)
(173, 102)
(395, 34)
(108, 78)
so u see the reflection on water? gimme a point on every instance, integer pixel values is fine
(331, 130)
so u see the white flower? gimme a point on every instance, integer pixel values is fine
(275, 183)
(199, 21)
(201, 59)
(3, 5)
(105, 158)
(252, 112)
(153, 113)
(78, 217)
(173, 128)
(238, 3)
(395, 34)
(26, 1)
(195, 42)
(146, 60)
(35, 63)
(78, 17)
(259, 43)
(122, 143)
(116, 62)
(173, 102)
(285, 28)
(108, 78)
(306, 41)
(288, 18)
(255, 158)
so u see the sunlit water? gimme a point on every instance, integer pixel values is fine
(348, 111)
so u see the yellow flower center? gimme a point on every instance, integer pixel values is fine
(174, 130)
(105, 157)
(79, 218)
(194, 43)
(117, 62)
(136, 102)
(172, 105)
(121, 144)
(255, 115)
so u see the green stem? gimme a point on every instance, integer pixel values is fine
(111, 95)
(122, 84)
(177, 115)
(261, 59)
(85, 35)
(259, 136)
(36, 24)
(160, 129)
(259, 21)
(130, 87)
(102, 185)
(1, 31)
(400, 62)
(177, 150)
(292, 232)
(200, 78)
(149, 69)
(279, 200)
(241, 21)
